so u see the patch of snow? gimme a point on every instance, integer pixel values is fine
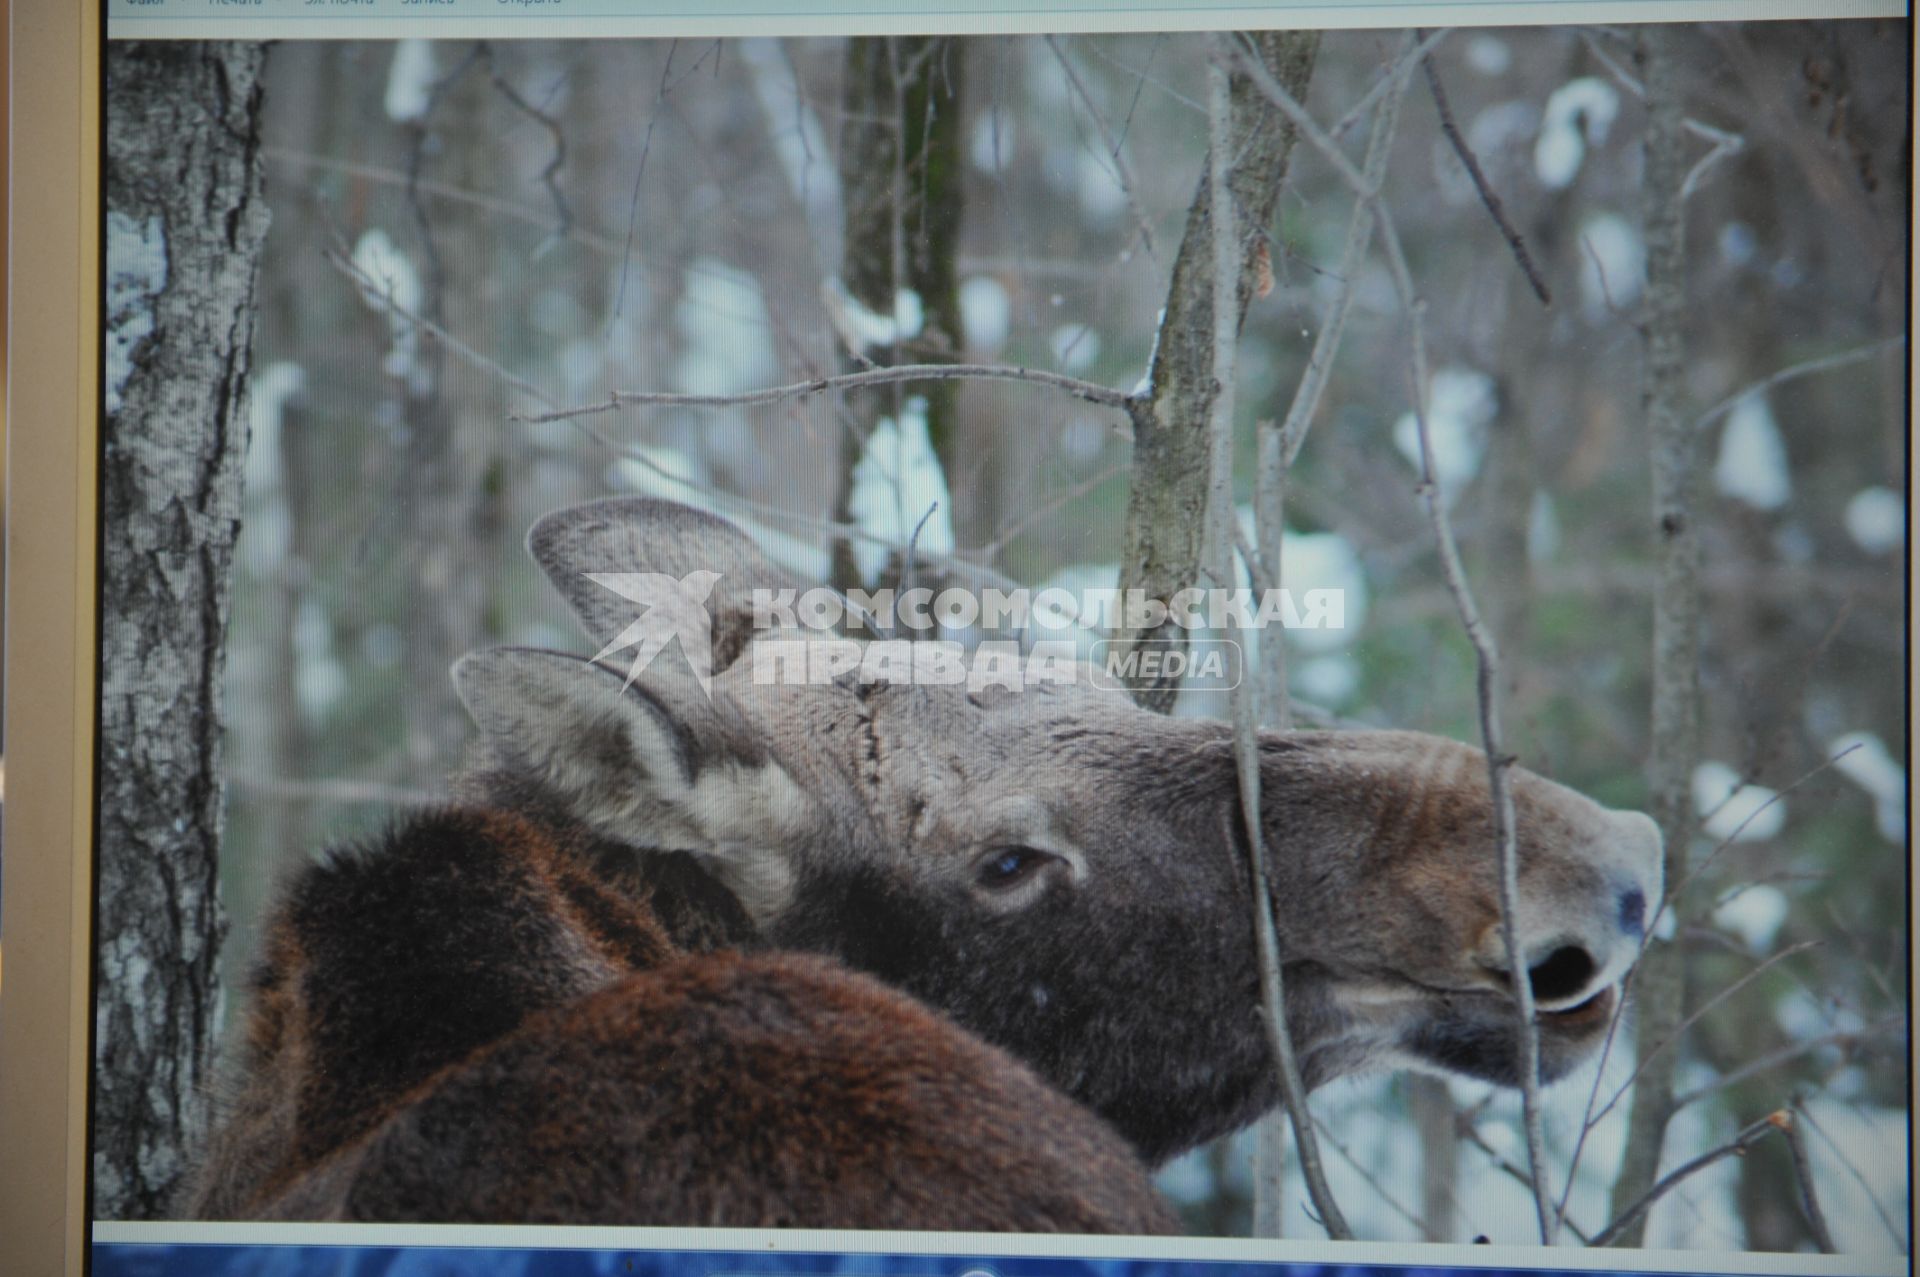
(1737, 243)
(1613, 266)
(863, 329)
(657, 471)
(1579, 114)
(1313, 561)
(1740, 813)
(267, 398)
(986, 314)
(395, 287)
(1489, 54)
(1877, 520)
(1500, 126)
(318, 681)
(897, 479)
(799, 142)
(726, 343)
(1460, 406)
(136, 275)
(992, 141)
(1867, 764)
(1101, 195)
(1330, 680)
(1752, 467)
(1075, 347)
(410, 80)
(1755, 914)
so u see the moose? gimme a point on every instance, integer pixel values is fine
(692, 948)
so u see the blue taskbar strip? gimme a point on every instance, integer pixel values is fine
(182, 1259)
(293, 12)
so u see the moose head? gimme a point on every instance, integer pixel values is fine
(1058, 870)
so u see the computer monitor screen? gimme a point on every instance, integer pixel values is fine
(905, 642)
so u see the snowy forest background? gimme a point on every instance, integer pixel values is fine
(466, 235)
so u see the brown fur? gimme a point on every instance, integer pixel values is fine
(544, 1051)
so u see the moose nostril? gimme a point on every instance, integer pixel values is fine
(1633, 911)
(1563, 973)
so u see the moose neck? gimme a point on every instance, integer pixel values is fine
(697, 913)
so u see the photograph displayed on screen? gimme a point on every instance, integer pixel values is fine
(1283, 634)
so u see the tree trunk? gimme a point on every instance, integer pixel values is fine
(453, 478)
(901, 170)
(1660, 985)
(185, 220)
(1166, 505)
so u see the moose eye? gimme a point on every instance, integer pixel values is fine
(1008, 866)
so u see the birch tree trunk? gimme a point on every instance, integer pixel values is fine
(185, 220)
(1660, 985)
(1166, 504)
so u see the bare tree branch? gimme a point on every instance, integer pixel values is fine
(1115, 148)
(1656, 1047)
(1393, 75)
(1527, 1033)
(1498, 762)
(1803, 1179)
(1471, 1133)
(1480, 184)
(1625, 1229)
(1794, 372)
(1227, 262)
(1326, 343)
(550, 175)
(896, 375)
(1887, 1029)
(1894, 1231)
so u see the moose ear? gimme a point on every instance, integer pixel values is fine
(680, 775)
(589, 550)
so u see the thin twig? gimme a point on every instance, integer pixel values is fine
(1826, 363)
(1779, 1120)
(1894, 1231)
(1308, 127)
(1846, 1041)
(1499, 762)
(1487, 195)
(550, 175)
(991, 550)
(1527, 1033)
(1392, 75)
(1373, 1181)
(1105, 396)
(380, 293)
(639, 175)
(1227, 258)
(1326, 343)
(1679, 1030)
(1115, 148)
(1803, 1177)
(1471, 1133)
